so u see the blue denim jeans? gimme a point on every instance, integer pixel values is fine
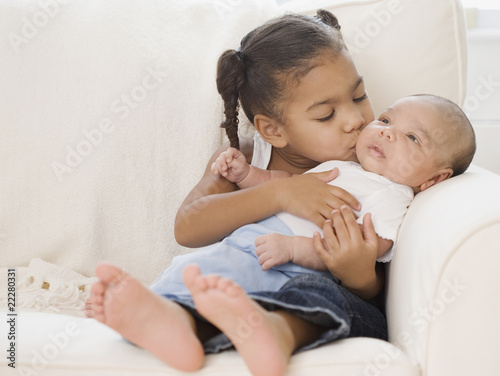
(317, 299)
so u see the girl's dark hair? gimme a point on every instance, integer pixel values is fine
(281, 51)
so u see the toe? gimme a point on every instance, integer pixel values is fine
(108, 273)
(224, 284)
(234, 290)
(97, 289)
(89, 312)
(212, 281)
(190, 274)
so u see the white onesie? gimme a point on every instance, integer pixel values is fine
(385, 200)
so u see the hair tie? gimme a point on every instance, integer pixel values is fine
(240, 55)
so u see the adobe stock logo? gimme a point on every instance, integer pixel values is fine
(224, 7)
(362, 36)
(121, 108)
(483, 91)
(33, 24)
(57, 343)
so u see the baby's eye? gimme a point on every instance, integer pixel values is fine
(326, 118)
(384, 120)
(413, 138)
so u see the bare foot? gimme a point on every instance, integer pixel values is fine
(262, 338)
(150, 321)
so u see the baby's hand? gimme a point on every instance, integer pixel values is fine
(273, 249)
(232, 165)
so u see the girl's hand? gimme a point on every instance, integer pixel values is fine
(307, 196)
(232, 165)
(349, 252)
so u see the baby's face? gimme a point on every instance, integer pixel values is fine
(404, 144)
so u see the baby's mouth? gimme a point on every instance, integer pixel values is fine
(377, 151)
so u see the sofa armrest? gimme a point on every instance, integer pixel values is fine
(442, 303)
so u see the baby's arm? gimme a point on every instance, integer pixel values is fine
(277, 249)
(233, 165)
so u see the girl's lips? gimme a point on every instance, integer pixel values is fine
(376, 151)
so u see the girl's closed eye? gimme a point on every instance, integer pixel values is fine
(361, 98)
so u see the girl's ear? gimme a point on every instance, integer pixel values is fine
(440, 176)
(270, 130)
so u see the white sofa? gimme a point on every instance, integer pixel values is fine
(108, 113)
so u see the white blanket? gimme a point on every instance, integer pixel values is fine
(46, 287)
(108, 115)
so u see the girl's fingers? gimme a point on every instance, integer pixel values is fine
(350, 221)
(344, 197)
(319, 248)
(369, 233)
(326, 176)
(340, 227)
(329, 235)
(341, 195)
(319, 219)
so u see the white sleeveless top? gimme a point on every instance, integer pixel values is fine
(261, 152)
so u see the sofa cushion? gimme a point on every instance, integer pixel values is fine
(60, 345)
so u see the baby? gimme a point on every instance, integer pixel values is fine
(416, 143)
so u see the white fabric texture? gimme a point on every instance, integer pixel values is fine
(86, 347)
(385, 200)
(110, 116)
(450, 278)
(261, 152)
(47, 287)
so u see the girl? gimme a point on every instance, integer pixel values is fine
(296, 81)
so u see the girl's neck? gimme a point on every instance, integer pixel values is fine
(292, 164)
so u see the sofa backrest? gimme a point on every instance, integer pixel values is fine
(109, 110)
(402, 47)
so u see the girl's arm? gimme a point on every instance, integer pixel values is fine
(215, 207)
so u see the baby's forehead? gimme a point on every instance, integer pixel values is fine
(434, 119)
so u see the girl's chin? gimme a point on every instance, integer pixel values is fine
(353, 158)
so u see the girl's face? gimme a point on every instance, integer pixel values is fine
(327, 110)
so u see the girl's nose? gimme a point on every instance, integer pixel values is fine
(354, 121)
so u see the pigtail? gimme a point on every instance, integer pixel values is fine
(259, 74)
(328, 18)
(231, 77)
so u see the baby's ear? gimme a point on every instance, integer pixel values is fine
(270, 130)
(438, 177)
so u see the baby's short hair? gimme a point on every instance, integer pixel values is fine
(461, 139)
